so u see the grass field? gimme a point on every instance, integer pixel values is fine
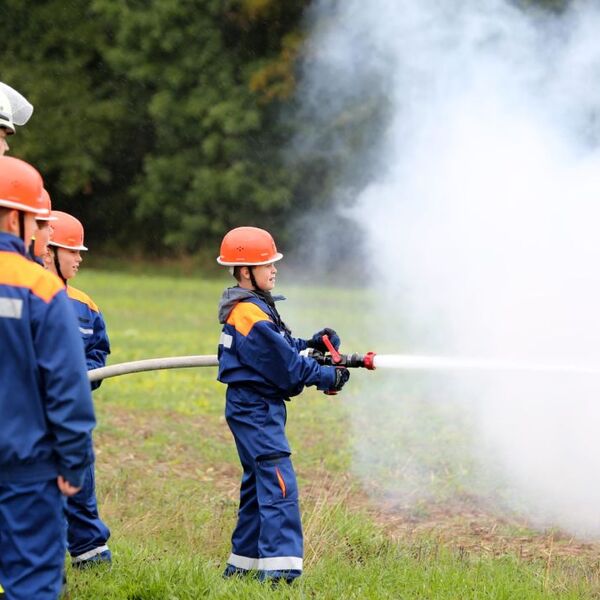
(168, 476)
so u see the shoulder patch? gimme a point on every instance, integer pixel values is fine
(244, 316)
(18, 271)
(82, 297)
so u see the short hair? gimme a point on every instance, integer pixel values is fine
(237, 272)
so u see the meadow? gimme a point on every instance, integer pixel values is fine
(168, 477)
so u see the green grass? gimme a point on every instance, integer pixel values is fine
(168, 473)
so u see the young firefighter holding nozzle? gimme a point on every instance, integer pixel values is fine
(259, 361)
(45, 401)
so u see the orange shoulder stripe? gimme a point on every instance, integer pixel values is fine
(244, 316)
(18, 271)
(82, 297)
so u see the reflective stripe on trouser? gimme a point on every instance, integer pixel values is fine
(268, 534)
(89, 555)
(32, 540)
(281, 563)
(86, 531)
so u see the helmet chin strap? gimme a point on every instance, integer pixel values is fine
(22, 226)
(253, 279)
(57, 266)
(31, 249)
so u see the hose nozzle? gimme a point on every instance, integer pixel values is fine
(350, 361)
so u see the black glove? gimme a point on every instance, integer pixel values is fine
(341, 377)
(316, 341)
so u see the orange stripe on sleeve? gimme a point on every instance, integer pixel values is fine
(244, 316)
(82, 297)
(18, 271)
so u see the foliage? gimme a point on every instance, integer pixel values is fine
(211, 165)
(164, 114)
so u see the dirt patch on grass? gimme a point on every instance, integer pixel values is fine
(154, 444)
(470, 525)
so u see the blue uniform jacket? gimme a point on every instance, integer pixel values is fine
(92, 330)
(46, 412)
(255, 353)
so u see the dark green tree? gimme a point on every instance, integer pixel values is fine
(81, 132)
(213, 73)
(156, 121)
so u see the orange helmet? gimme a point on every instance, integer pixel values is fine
(248, 246)
(48, 204)
(67, 232)
(21, 187)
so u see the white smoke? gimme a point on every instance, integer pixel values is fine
(482, 217)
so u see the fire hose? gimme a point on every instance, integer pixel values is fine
(153, 364)
(332, 358)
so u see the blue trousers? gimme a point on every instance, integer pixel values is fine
(268, 534)
(32, 540)
(86, 532)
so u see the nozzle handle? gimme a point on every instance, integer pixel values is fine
(336, 357)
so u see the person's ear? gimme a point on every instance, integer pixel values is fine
(11, 222)
(48, 258)
(245, 273)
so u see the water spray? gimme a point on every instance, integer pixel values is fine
(416, 362)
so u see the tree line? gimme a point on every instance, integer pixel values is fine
(156, 121)
(162, 124)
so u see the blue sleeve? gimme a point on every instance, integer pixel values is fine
(67, 395)
(268, 352)
(300, 344)
(97, 347)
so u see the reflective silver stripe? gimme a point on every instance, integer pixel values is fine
(277, 563)
(11, 308)
(242, 562)
(86, 331)
(226, 340)
(90, 554)
(280, 563)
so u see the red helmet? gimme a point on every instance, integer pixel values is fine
(67, 232)
(21, 187)
(48, 204)
(248, 246)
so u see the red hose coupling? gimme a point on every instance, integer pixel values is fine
(368, 361)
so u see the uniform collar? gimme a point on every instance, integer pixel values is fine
(11, 243)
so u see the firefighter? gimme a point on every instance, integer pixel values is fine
(87, 533)
(45, 400)
(14, 110)
(259, 361)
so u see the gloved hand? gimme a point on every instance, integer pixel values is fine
(316, 341)
(341, 377)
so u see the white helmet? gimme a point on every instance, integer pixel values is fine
(14, 108)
